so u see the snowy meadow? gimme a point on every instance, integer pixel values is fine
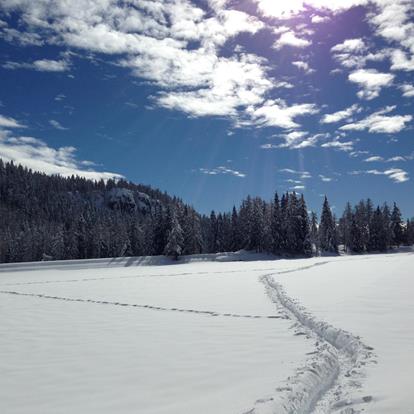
(230, 333)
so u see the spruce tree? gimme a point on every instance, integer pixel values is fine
(327, 230)
(356, 239)
(314, 233)
(175, 239)
(397, 226)
(305, 245)
(377, 236)
(345, 224)
(276, 226)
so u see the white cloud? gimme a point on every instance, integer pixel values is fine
(281, 29)
(283, 84)
(349, 46)
(393, 21)
(57, 125)
(300, 140)
(22, 38)
(398, 175)
(395, 174)
(222, 171)
(60, 97)
(325, 179)
(37, 155)
(408, 90)
(340, 115)
(319, 19)
(269, 146)
(302, 174)
(278, 113)
(290, 39)
(400, 61)
(8, 122)
(288, 9)
(352, 53)
(174, 44)
(379, 122)
(374, 159)
(300, 64)
(397, 158)
(42, 65)
(345, 146)
(371, 81)
(231, 84)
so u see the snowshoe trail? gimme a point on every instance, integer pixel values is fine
(330, 375)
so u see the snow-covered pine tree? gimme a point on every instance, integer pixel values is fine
(410, 232)
(386, 218)
(327, 230)
(397, 226)
(257, 226)
(235, 230)
(356, 241)
(314, 233)
(175, 239)
(276, 226)
(377, 234)
(345, 224)
(304, 238)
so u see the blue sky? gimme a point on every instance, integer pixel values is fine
(214, 100)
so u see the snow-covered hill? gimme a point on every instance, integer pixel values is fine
(215, 334)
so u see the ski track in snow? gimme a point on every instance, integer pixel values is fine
(332, 372)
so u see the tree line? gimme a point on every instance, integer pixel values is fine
(52, 217)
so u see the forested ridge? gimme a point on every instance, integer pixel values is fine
(52, 217)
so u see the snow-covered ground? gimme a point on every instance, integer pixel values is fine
(215, 334)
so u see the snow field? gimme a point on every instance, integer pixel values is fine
(63, 354)
(320, 335)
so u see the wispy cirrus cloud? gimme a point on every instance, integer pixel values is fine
(325, 179)
(222, 170)
(302, 174)
(41, 65)
(57, 125)
(395, 174)
(377, 158)
(338, 145)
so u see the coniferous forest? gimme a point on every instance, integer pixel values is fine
(52, 218)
